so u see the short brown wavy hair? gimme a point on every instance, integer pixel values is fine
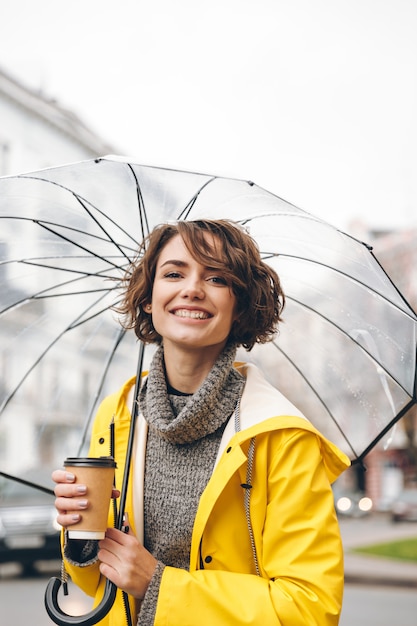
(256, 286)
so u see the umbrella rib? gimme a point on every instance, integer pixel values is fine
(269, 255)
(46, 226)
(81, 319)
(69, 293)
(188, 207)
(28, 483)
(31, 368)
(40, 295)
(34, 297)
(350, 337)
(301, 214)
(43, 223)
(393, 284)
(105, 370)
(91, 317)
(316, 394)
(74, 324)
(385, 430)
(308, 216)
(143, 218)
(52, 182)
(84, 274)
(109, 237)
(70, 257)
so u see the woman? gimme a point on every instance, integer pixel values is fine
(230, 509)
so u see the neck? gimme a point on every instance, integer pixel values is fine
(187, 370)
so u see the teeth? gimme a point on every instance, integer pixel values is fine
(196, 315)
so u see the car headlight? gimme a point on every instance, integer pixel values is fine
(343, 504)
(365, 504)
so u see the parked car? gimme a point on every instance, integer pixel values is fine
(28, 528)
(404, 507)
(352, 504)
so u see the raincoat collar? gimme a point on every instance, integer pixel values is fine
(264, 408)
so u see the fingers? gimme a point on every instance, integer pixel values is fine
(70, 504)
(68, 519)
(62, 476)
(63, 479)
(120, 537)
(70, 498)
(69, 510)
(126, 562)
(66, 485)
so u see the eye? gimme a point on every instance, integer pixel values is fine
(172, 274)
(218, 280)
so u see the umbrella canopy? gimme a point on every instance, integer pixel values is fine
(345, 353)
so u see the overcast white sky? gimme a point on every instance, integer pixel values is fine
(314, 100)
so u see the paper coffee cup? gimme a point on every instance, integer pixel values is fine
(98, 475)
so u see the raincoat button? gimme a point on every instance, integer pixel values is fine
(101, 440)
(208, 559)
(228, 449)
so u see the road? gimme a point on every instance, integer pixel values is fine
(21, 599)
(378, 606)
(21, 602)
(376, 528)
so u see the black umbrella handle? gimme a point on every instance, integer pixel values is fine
(63, 619)
(51, 594)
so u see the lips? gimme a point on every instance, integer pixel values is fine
(194, 314)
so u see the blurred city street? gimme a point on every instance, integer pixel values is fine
(378, 591)
(377, 528)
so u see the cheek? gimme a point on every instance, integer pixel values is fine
(232, 313)
(235, 311)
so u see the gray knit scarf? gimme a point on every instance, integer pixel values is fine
(183, 440)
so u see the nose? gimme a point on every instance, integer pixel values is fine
(193, 289)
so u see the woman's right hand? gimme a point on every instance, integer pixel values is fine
(71, 498)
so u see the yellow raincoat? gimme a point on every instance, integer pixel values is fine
(295, 529)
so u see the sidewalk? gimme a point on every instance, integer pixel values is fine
(360, 568)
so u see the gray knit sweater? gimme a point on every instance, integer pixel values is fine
(183, 439)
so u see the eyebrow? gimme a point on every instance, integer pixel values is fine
(179, 263)
(176, 262)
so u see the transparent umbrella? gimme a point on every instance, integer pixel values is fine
(345, 354)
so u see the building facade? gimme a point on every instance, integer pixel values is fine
(36, 132)
(392, 464)
(395, 467)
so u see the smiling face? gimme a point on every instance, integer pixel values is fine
(193, 307)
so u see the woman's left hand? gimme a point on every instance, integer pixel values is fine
(125, 562)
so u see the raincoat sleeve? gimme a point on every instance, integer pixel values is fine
(298, 545)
